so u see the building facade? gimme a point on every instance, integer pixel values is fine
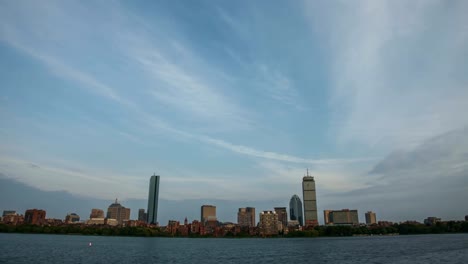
(96, 213)
(246, 217)
(8, 212)
(341, 217)
(118, 212)
(326, 216)
(72, 218)
(153, 197)
(432, 220)
(282, 215)
(371, 218)
(208, 213)
(295, 209)
(310, 200)
(142, 215)
(12, 218)
(35, 217)
(268, 224)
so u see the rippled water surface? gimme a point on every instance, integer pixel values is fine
(26, 248)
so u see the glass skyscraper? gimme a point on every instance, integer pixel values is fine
(295, 209)
(153, 200)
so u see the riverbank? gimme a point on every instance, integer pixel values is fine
(318, 231)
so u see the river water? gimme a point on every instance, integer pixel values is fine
(33, 248)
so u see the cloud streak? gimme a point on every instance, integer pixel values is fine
(389, 89)
(278, 156)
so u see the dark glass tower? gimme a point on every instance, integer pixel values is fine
(153, 200)
(295, 209)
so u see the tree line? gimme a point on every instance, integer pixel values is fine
(318, 231)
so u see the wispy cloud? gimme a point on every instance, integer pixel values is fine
(61, 69)
(271, 82)
(278, 87)
(395, 81)
(248, 151)
(185, 91)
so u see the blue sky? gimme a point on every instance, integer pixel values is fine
(234, 100)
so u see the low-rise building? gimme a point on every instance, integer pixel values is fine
(341, 217)
(431, 220)
(54, 222)
(96, 213)
(384, 223)
(72, 218)
(142, 216)
(111, 222)
(12, 218)
(96, 221)
(35, 217)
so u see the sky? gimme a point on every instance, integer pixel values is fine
(232, 101)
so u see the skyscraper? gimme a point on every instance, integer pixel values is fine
(282, 215)
(118, 212)
(208, 212)
(310, 200)
(153, 196)
(295, 209)
(246, 217)
(268, 224)
(371, 218)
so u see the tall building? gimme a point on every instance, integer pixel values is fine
(341, 217)
(310, 200)
(142, 215)
(96, 213)
(118, 212)
(208, 213)
(268, 224)
(35, 217)
(246, 217)
(153, 200)
(371, 219)
(282, 215)
(295, 209)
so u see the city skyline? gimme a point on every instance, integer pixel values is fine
(119, 213)
(233, 101)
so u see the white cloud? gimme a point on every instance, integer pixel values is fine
(278, 156)
(395, 71)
